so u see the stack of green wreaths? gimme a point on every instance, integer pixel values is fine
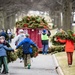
(66, 35)
(12, 56)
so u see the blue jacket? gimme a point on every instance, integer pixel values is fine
(3, 50)
(26, 44)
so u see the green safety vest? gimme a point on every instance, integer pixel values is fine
(44, 37)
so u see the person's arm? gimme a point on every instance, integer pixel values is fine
(15, 40)
(9, 49)
(61, 40)
(73, 34)
(32, 43)
(49, 33)
(21, 43)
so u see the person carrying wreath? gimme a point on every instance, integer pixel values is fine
(69, 48)
(18, 39)
(27, 50)
(3, 55)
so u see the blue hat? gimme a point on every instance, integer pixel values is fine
(44, 31)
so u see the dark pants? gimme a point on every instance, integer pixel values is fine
(45, 49)
(3, 60)
(70, 57)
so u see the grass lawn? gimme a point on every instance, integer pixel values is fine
(62, 60)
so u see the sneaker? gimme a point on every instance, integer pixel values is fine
(4, 72)
(29, 66)
(56, 67)
(20, 61)
(69, 65)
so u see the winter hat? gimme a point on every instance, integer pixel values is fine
(44, 31)
(21, 30)
(2, 37)
(26, 35)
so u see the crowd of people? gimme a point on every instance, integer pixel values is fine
(21, 40)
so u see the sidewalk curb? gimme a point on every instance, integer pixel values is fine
(58, 68)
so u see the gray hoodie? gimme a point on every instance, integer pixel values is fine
(19, 38)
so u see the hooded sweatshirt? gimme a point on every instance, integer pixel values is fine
(26, 44)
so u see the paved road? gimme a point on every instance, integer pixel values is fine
(41, 65)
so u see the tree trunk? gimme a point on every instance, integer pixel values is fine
(1, 20)
(67, 15)
(9, 22)
(59, 20)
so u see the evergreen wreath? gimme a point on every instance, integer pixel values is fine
(32, 22)
(66, 35)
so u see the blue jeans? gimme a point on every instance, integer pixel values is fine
(45, 49)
